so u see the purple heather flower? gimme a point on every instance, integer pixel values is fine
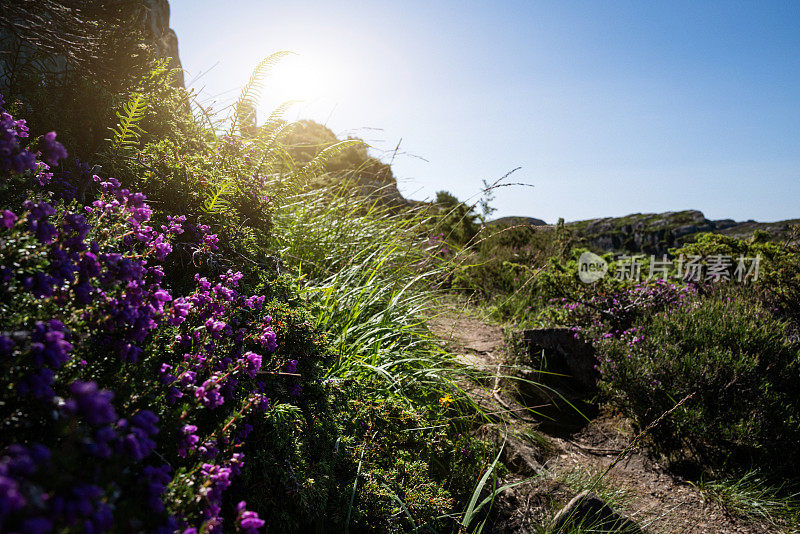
(38, 384)
(162, 296)
(162, 248)
(208, 394)
(7, 219)
(10, 497)
(51, 150)
(49, 346)
(91, 403)
(212, 241)
(248, 521)
(253, 363)
(158, 478)
(214, 326)
(189, 440)
(6, 345)
(268, 339)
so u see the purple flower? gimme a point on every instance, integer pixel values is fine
(161, 247)
(37, 220)
(38, 384)
(214, 326)
(51, 150)
(248, 521)
(187, 378)
(219, 479)
(162, 296)
(189, 440)
(269, 339)
(7, 219)
(91, 403)
(6, 345)
(253, 363)
(208, 394)
(12, 156)
(10, 497)
(157, 478)
(212, 241)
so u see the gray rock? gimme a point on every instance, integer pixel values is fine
(557, 351)
(155, 22)
(591, 513)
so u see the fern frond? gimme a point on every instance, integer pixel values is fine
(215, 202)
(276, 117)
(127, 132)
(317, 165)
(252, 89)
(270, 148)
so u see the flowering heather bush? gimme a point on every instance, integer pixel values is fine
(614, 313)
(123, 407)
(658, 342)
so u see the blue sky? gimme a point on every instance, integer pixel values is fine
(609, 107)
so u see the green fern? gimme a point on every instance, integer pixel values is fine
(216, 201)
(275, 118)
(127, 132)
(251, 91)
(317, 165)
(272, 152)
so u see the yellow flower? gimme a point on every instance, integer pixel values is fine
(446, 400)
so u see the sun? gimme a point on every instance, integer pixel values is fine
(301, 77)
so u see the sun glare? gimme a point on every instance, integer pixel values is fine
(300, 77)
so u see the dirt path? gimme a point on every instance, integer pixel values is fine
(560, 466)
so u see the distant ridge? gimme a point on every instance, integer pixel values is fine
(516, 220)
(640, 233)
(656, 233)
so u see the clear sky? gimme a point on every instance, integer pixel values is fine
(609, 107)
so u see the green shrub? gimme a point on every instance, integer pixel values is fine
(778, 284)
(733, 355)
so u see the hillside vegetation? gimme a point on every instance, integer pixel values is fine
(213, 322)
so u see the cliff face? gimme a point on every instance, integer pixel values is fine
(56, 34)
(154, 20)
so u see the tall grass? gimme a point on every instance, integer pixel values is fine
(373, 274)
(752, 496)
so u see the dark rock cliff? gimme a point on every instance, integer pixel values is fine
(154, 21)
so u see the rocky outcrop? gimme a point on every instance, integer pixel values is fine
(366, 175)
(155, 24)
(656, 233)
(51, 34)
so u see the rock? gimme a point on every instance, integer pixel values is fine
(58, 36)
(155, 22)
(656, 233)
(557, 351)
(589, 512)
